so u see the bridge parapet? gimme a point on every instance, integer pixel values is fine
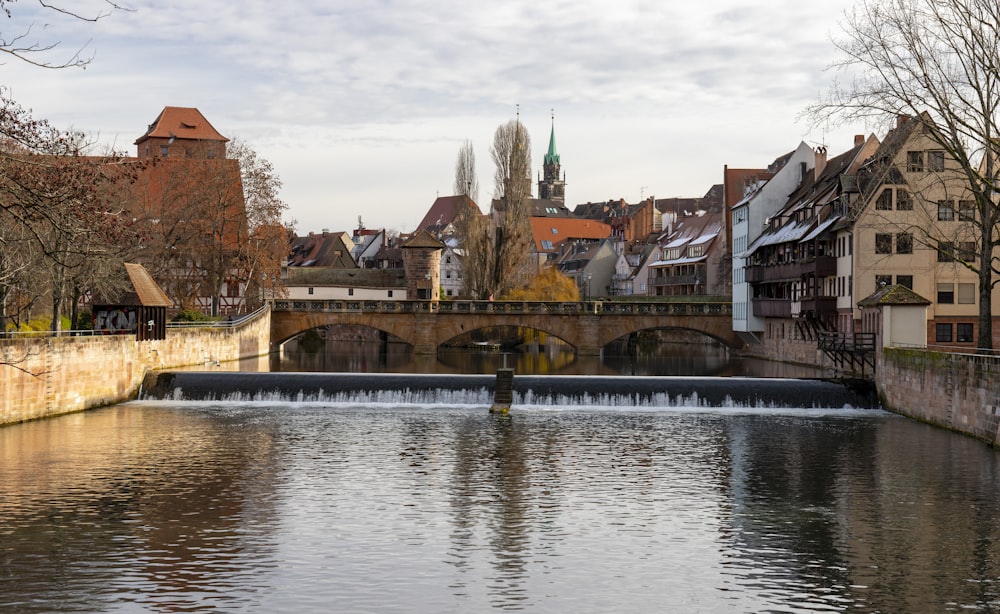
(509, 307)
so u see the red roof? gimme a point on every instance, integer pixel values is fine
(559, 229)
(444, 211)
(181, 123)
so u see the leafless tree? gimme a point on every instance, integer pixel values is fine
(938, 62)
(24, 45)
(511, 211)
(59, 204)
(266, 243)
(466, 180)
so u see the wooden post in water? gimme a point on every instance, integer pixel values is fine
(503, 394)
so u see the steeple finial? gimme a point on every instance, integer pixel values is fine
(552, 156)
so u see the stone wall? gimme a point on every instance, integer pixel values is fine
(956, 391)
(49, 376)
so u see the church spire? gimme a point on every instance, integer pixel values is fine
(552, 156)
(552, 187)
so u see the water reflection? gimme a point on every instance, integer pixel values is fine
(248, 507)
(669, 358)
(127, 505)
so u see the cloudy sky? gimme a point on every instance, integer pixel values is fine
(362, 105)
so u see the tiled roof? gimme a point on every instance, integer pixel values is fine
(560, 229)
(445, 210)
(423, 239)
(181, 123)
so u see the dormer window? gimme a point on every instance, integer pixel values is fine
(696, 251)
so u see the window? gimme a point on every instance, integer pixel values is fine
(914, 161)
(946, 294)
(903, 201)
(350, 292)
(555, 230)
(448, 293)
(963, 332)
(966, 294)
(883, 243)
(966, 211)
(946, 211)
(310, 291)
(447, 259)
(942, 333)
(163, 150)
(882, 281)
(389, 294)
(904, 243)
(946, 251)
(546, 244)
(905, 280)
(967, 251)
(935, 160)
(884, 201)
(695, 251)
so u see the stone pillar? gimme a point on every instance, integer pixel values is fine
(589, 335)
(423, 329)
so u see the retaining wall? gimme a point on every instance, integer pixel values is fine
(48, 376)
(960, 392)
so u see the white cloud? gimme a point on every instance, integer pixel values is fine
(362, 105)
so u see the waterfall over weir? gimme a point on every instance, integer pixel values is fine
(529, 390)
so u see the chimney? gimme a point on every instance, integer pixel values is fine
(901, 119)
(820, 160)
(859, 139)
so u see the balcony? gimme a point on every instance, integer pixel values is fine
(675, 280)
(772, 307)
(819, 306)
(822, 266)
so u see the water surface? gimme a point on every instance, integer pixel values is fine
(319, 507)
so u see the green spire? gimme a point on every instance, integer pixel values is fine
(552, 157)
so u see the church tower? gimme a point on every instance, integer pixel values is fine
(551, 186)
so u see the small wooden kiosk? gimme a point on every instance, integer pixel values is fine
(140, 310)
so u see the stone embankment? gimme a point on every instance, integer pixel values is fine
(43, 377)
(960, 392)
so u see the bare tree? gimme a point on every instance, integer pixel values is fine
(24, 45)
(511, 210)
(938, 62)
(267, 240)
(58, 203)
(466, 180)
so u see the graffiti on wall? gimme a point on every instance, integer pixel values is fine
(116, 320)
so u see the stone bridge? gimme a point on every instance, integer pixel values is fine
(588, 325)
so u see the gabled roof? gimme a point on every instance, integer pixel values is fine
(445, 210)
(326, 250)
(893, 295)
(181, 123)
(423, 239)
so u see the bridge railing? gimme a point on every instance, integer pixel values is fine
(508, 307)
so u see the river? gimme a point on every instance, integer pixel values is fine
(404, 505)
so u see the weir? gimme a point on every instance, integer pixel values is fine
(527, 389)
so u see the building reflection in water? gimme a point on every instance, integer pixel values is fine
(156, 506)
